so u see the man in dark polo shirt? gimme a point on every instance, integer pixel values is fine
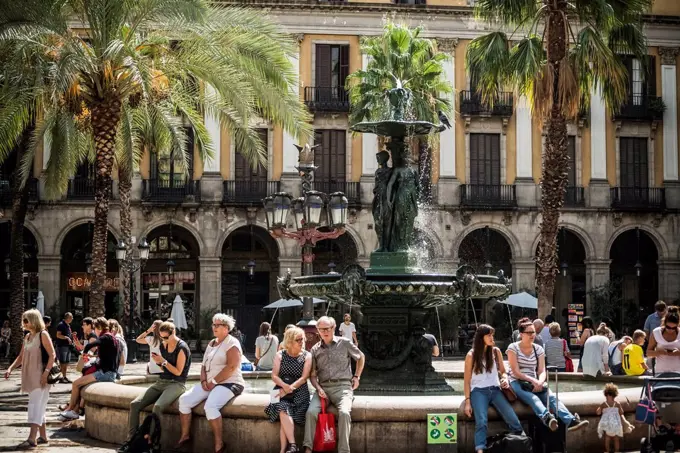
(64, 345)
(332, 377)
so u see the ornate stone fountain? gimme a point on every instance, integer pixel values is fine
(396, 296)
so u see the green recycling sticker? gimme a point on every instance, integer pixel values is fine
(442, 428)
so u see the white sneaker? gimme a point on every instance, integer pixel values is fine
(71, 415)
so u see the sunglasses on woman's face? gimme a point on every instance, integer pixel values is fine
(299, 340)
(24, 321)
(165, 338)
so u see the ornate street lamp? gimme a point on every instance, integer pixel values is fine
(312, 211)
(331, 267)
(121, 255)
(638, 265)
(251, 268)
(564, 267)
(171, 267)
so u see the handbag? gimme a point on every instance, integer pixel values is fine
(645, 412)
(509, 443)
(324, 436)
(509, 393)
(568, 363)
(54, 375)
(288, 379)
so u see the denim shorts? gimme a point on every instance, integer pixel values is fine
(108, 376)
(64, 354)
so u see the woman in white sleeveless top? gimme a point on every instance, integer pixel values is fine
(664, 344)
(482, 385)
(221, 380)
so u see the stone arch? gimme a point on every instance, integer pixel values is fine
(509, 236)
(241, 223)
(359, 244)
(580, 233)
(659, 241)
(434, 241)
(36, 235)
(261, 235)
(71, 225)
(180, 223)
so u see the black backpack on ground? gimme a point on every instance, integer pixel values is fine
(138, 443)
(508, 443)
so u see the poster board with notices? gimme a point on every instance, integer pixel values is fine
(442, 433)
(575, 313)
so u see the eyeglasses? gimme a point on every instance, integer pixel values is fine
(324, 329)
(219, 325)
(299, 340)
(530, 332)
(25, 321)
(165, 338)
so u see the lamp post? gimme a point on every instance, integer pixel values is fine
(121, 254)
(312, 211)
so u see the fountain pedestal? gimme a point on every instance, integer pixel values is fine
(393, 263)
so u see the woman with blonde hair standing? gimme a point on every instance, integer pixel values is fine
(292, 366)
(34, 373)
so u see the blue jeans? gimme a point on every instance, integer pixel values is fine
(481, 399)
(539, 400)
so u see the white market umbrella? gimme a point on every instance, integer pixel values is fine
(40, 303)
(522, 300)
(289, 303)
(177, 313)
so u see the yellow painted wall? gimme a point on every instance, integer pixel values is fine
(461, 83)
(225, 154)
(511, 150)
(436, 149)
(277, 167)
(536, 150)
(585, 156)
(198, 164)
(666, 7)
(145, 165)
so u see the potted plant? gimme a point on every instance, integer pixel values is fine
(656, 107)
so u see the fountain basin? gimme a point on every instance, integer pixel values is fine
(379, 422)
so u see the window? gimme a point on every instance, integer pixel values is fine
(166, 247)
(571, 152)
(641, 79)
(633, 165)
(242, 168)
(170, 168)
(330, 156)
(485, 159)
(332, 65)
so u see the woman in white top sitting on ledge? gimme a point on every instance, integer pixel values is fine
(221, 380)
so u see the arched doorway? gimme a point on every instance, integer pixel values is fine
(30, 269)
(339, 252)
(172, 270)
(76, 251)
(487, 251)
(634, 252)
(244, 291)
(570, 283)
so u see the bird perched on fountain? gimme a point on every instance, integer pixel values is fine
(444, 119)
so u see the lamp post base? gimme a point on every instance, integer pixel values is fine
(132, 349)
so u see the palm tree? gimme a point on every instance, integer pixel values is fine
(88, 77)
(566, 49)
(400, 53)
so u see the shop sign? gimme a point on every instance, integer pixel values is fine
(81, 281)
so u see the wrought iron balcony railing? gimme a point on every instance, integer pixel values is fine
(80, 189)
(574, 197)
(471, 104)
(351, 190)
(327, 99)
(171, 191)
(6, 192)
(641, 107)
(488, 196)
(638, 198)
(248, 193)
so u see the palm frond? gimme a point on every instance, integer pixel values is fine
(487, 59)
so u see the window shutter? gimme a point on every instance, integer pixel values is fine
(323, 65)
(651, 75)
(344, 64)
(633, 164)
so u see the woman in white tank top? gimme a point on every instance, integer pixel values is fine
(482, 385)
(664, 343)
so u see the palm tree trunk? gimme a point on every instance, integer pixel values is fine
(555, 166)
(105, 119)
(16, 270)
(124, 192)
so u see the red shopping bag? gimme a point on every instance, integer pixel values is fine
(324, 437)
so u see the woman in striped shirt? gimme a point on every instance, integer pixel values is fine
(528, 380)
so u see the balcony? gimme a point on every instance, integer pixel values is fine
(488, 196)
(471, 104)
(641, 108)
(80, 189)
(638, 198)
(574, 197)
(327, 99)
(351, 190)
(170, 191)
(248, 193)
(6, 192)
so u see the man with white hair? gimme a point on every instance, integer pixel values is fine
(538, 325)
(332, 377)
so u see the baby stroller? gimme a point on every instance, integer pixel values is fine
(664, 434)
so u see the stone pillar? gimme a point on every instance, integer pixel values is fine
(598, 190)
(669, 279)
(524, 182)
(294, 263)
(211, 283)
(448, 185)
(289, 176)
(523, 274)
(597, 273)
(669, 95)
(212, 124)
(49, 274)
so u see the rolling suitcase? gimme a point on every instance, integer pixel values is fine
(544, 440)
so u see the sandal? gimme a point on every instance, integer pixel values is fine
(222, 449)
(181, 443)
(63, 407)
(43, 441)
(27, 445)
